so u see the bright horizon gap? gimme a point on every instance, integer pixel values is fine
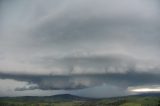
(146, 90)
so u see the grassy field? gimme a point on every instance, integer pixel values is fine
(47, 101)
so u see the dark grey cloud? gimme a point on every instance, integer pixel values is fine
(71, 82)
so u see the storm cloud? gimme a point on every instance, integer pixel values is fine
(73, 82)
(72, 45)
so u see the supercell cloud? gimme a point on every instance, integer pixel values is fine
(74, 45)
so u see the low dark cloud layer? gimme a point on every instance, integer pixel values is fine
(71, 82)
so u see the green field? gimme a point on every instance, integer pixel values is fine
(52, 101)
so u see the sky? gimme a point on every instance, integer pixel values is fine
(93, 48)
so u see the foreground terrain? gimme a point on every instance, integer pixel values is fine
(71, 100)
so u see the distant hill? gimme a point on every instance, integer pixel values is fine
(149, 94)
(57, 98)
(145, 99)
(69, 97)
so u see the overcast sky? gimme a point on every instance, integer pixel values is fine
(96, 48)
